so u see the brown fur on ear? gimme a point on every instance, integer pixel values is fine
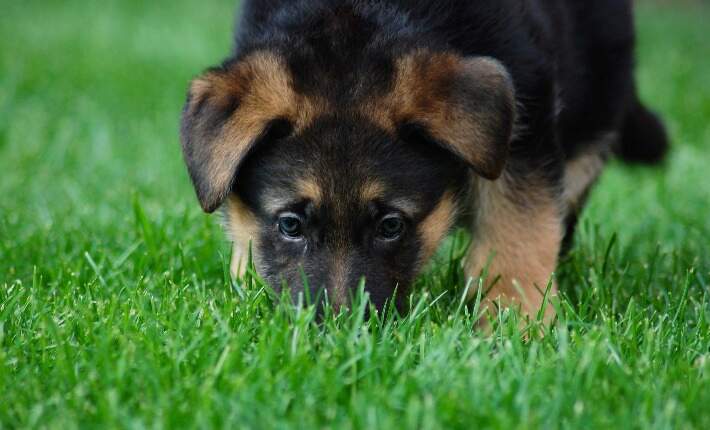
(466, 105)
(228, 110)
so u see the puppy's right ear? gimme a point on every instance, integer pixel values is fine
(465, 104)
(228, 111)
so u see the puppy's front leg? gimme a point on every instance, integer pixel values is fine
(518, 228)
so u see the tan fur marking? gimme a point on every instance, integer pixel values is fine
(273, 204)
(435, 227)
(524, 241)
(580, 174)
(372, 190)
(309, 189)
(242, 228)
(405, 205)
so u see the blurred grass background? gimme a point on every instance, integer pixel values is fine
(106, 259)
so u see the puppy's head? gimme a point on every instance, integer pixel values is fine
(330, 192)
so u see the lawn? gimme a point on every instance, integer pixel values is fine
(116, 309)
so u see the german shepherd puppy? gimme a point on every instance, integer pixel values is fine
(343, 139)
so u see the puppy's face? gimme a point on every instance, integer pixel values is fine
(344, 201)
(330, 191)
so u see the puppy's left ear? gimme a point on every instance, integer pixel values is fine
(464, 104)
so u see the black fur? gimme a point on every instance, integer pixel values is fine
(643, 136)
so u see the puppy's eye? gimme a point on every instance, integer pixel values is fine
(391, 227)
(291, 226)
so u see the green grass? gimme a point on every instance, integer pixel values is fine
(116, 310)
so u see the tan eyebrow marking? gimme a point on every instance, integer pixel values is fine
(405, 205)
(371, 190)
(308, 188)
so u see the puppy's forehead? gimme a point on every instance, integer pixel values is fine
(344, 194)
